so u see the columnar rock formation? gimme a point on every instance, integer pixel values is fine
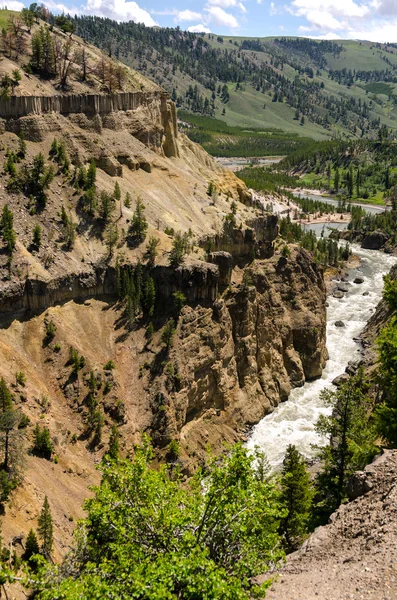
(149, 116)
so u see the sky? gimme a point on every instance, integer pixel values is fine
(374, 20)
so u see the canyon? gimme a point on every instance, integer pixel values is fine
(248, 333)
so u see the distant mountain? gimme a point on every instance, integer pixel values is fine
(317, 89)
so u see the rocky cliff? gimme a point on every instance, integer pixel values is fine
(235, 361)
(148, 116)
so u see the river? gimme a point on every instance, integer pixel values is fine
(371, 208)
(292, 422)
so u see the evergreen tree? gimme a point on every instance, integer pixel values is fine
(127, 200)
(42, 444)
(336, 180)
(386, 412)
(36, 236)
(106, 208)
(180, 245)
(117, 191)
(167, 335)
(10, 440)
(351, 445)
(45, 530)
(111, 237)
(139, 225)
(151, 250)
(32, 546)
(149, 296)
(7, 229)
(114, 443)
(296, 498)
(90, 179)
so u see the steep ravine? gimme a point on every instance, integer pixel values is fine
(293, 421)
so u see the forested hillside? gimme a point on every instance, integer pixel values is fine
(317, 89)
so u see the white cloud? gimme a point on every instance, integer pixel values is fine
(200, 28)
(375, 31)
(327, 36)
(227, 4)
(346, 19)
(219, 17)
(187, 15)
(119, 10)
(13, 5)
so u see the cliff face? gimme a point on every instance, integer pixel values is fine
(148, 116)
(238, 359)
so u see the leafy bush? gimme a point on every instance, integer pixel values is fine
(167, 539)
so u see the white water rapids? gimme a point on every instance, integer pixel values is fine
(293, 421)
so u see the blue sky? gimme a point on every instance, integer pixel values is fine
(374, 20)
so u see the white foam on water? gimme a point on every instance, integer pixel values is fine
(293, 421)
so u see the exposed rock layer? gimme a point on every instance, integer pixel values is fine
(239, 358)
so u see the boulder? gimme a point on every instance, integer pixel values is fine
(374, 240)
(352, 366)
(341, 379)
(366, 294)
(343, 287)
(358, 280)
(358, 485)
(338, 294)
(339, 324)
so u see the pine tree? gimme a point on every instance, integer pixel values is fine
(37, 236)
(351, 444)
(45, 529)
(90, 178)
(114, 443)
(111, 237)
(151, 250)
(117, 191)
(296, 497)
(127, 200)
(32, 546)
(149, 296)
(7, 229)
(106, 206)
(42, 444)
(167, 335)
(8, 427)
(180, 246)
(139, 225)
(336, 180)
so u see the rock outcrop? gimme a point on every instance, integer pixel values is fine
(236, 360)
(374, 240)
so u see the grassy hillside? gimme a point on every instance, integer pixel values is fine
(307, 88)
